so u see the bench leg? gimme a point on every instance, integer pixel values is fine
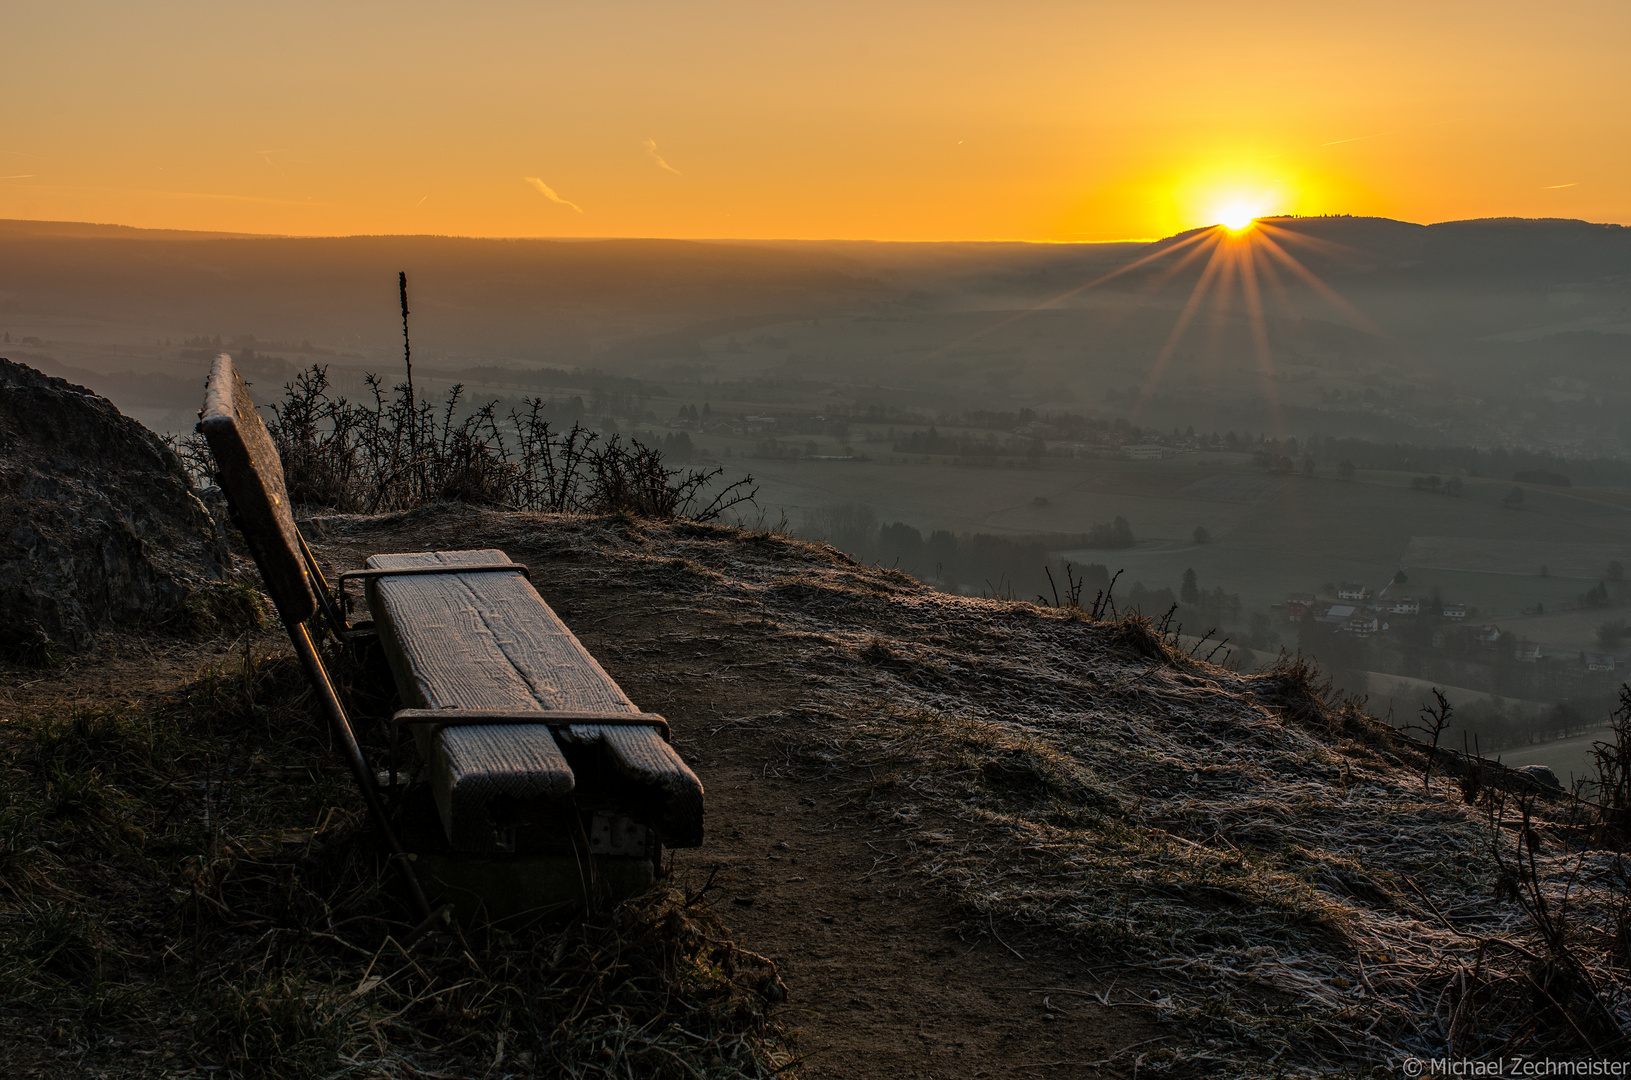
(366, 782)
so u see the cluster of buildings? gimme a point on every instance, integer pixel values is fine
(1359, 611)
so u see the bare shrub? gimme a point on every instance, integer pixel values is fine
(1613, 781)
(396, 453)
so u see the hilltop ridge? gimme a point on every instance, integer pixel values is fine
(1067, 792)
(974, 837)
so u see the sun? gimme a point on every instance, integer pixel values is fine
(1236, 218)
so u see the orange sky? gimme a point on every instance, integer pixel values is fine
(946, 120)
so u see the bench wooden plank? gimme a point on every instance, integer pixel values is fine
(252, 476)
(489, 641)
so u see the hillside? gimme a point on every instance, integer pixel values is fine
(976, 838)
(1490, 333)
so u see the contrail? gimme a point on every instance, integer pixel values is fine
(651, 148)
(1554, 187)
(1395, 131)
(1356, 138)
(550, 194)
(19, 176)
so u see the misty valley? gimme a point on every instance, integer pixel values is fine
(1405, 453)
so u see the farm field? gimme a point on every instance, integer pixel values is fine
(1269, 535)
(1571, 759)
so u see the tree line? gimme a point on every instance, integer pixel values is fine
(1016, 565)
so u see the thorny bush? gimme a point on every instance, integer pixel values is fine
(398, 453)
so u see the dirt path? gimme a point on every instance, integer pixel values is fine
(885, 979)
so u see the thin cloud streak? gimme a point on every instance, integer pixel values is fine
(651, 148)
(1356, 138)
(549, 193)
(1554, 187)
(19, 176)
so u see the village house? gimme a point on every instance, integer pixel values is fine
(1598, 661)
(1295, 611)
(1405, 605)
(1350, 591)
(1488, 635)
(1142, 451)
(1527, 652)
(1455, 611)
(1337, 613)
(1363, 625)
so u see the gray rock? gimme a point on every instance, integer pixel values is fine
(1542, 775)
(99, 526)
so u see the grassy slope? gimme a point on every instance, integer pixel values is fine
(193, 876)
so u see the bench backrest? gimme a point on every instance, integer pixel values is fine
(248, 470)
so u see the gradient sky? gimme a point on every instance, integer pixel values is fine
(875, 120)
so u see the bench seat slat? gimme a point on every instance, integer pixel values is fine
(489, 641)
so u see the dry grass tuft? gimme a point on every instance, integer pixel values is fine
(195, 884)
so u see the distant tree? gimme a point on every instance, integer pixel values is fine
(1117, 534)
(1434, 483)
(850, 527)
(1261, 634)
(1514, 499)
(1149, 601)
(1201, 535)
(1452, 486)
(1220, 606)
(1190, 591)
(900, 544)
(677, 447)
(1345, 469)
(1596, 596)
(707, 410)
(1399, 578)
(1615, 572)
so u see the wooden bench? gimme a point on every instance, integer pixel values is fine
(531, 748)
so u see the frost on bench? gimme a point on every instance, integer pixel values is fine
(488, 641)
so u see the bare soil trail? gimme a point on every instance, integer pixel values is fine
(886, 978)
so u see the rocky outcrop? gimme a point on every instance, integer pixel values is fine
(99, 526)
